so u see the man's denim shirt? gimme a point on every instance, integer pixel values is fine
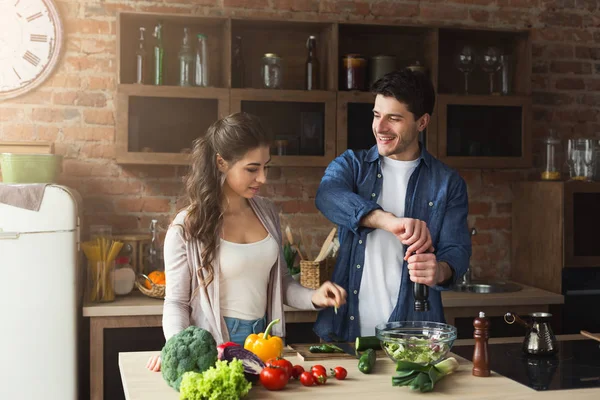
(349, 190)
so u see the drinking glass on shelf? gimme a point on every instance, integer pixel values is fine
(580, 158)
(491, 62)
(465, 62)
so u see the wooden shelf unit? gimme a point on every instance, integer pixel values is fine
(432, 46)
(511, 151)
(161, 106)
(293, 108)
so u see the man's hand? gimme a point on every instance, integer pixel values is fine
(424, 268)
(411, 232)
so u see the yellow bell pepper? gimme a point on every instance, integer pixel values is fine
(264, 345)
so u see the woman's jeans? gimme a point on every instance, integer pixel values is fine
(239, 329)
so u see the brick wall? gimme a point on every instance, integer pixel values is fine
(75, 108)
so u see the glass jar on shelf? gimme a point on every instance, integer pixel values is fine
(551, 157)
(123, 276)
(271, 71)
(354, 72)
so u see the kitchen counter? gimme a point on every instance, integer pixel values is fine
(139, 383)
(137, 304)
(137, 310)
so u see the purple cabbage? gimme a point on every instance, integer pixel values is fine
(252, 364)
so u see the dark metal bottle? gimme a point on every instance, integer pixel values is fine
(312, 65)
(237, 64)
(421, 293)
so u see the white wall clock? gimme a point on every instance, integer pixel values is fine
(31, 36)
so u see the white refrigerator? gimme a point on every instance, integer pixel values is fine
(40, 298)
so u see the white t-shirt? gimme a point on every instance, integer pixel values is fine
(384, 254)
(244, 277)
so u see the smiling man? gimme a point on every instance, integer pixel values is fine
(402, 216)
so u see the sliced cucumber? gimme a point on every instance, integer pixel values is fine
(367, 342)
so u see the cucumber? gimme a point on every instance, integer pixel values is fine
(366, 362)
(367, 342)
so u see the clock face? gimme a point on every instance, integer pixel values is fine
(30, 44)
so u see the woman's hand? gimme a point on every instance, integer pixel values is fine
(329, 295)
(154, 364)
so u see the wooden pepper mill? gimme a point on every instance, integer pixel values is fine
(481, 359)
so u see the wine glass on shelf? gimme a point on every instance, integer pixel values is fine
(465, 62)
(491, 62)
(580, 157)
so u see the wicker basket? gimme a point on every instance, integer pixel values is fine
(157, 291)
(314, 274)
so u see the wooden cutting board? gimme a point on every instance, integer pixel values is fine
(305, 355)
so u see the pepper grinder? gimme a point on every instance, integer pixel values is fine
(421, 293)
(481, 358)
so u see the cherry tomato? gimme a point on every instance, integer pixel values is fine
(297, 371)
(281, 363)
(307, 379)
(273, 378)
(320, 377)
(340, 373)
(318, 368)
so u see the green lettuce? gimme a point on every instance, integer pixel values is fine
(224, 381)
(416, 350)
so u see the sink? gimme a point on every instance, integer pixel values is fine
(487, 287)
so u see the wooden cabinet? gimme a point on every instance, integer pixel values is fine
(303, 123)
(486, 127)
(157, 124)
(480, 131)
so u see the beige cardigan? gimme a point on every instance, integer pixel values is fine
(186, 303)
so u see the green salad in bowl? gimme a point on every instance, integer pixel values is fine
(420, 342)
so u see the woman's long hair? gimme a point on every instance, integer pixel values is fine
(231, 137)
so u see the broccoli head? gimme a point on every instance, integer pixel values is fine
(193, 349)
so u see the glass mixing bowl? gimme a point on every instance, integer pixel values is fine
(420, 342)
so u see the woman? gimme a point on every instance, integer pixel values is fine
(224, 266)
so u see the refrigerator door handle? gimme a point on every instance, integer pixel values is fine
(9, 235)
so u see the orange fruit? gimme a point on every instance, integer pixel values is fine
(157, 277)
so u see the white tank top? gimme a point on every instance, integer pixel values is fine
(244, 277)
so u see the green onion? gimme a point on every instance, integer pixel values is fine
(422, 377)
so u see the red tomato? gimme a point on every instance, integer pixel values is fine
(340, 373)
(281, 363)
(319, 368)
(307, 379)
(320, 377)
(273, 378)
(297, 371)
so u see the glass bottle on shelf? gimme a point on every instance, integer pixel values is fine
(551, 157)
(271, 71)
(237, 63)
(154, 260)
(186, 60)
(312, 65)
(201, 62)
(140, 59)
(159, 55)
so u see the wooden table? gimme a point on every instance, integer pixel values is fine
(137, 310)
(139, 383)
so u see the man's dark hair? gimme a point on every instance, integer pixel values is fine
(409, 87)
